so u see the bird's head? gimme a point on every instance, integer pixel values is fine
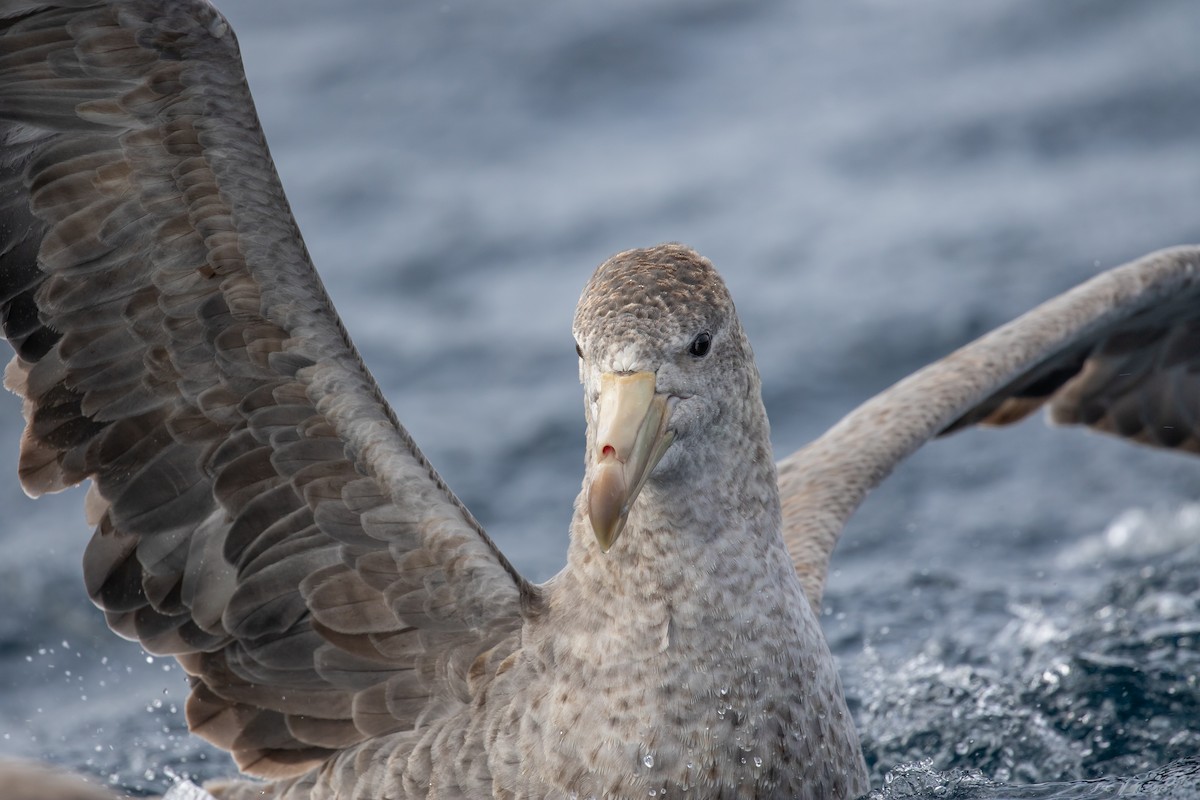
(665, 368)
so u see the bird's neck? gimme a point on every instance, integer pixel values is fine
(693, 650)
(690, 523)
(696, 544)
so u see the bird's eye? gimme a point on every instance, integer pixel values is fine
(578, 350)
(699, 346)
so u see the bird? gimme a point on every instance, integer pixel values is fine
(348, 628)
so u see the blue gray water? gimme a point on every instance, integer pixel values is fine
(879, 182)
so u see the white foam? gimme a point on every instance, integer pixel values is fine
(186, 790)
(1138, 533)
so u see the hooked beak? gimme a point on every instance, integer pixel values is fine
(631, 438)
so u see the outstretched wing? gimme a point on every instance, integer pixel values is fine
(1120, 353)
(26, 780)
(260, 513)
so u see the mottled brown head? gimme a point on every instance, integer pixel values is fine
(662, 290)
(662, 359)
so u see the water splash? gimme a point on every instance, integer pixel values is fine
(1103, 686)
(1176, 781)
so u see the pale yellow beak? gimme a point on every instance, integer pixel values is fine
(631, 437)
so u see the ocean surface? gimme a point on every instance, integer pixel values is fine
(1016, 613)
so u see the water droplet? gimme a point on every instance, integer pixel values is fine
(758, 762)
(648, 760)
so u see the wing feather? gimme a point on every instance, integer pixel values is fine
(1118, 353)
(259, 511)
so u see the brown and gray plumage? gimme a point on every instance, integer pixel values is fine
(22, 780)
(349, 629)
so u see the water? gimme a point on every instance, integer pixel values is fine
(1015, 613)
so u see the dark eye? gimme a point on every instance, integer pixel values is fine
(578, 350)
(699, 345)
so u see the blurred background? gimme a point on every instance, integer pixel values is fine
(879, 182)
